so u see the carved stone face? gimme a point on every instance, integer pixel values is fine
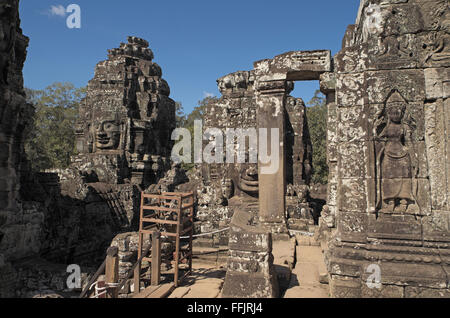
(395, 112)
(227, 188)
(373, 24)
(107, 134)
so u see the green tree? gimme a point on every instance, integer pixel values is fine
(50, 141)
(317, 122)
(199, 111)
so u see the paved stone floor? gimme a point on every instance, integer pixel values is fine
(205, 282)
(306, 276)
(301, 281)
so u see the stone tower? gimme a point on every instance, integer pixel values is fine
(127, 118)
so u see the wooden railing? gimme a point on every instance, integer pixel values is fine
(182, 204)
(109, 267)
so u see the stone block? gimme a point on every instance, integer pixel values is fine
(390, 226)
(352, 59)
(353, 158)
(345, 287)
(352, 195)
(242, 285)
(385, 291)
(420, 292)
(436, 151)
(350, 90)
(352, 124)
(437, 83)
(381, 83)
(352, 226)
(436, 227)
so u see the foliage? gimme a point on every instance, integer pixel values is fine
(50, 142)
(317, 122)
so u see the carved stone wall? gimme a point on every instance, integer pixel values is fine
(389, 139)
(15, 115)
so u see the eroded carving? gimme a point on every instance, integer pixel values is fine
(440, 52)
(107, 134)
(396, 170)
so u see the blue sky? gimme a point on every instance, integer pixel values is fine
(194, 41)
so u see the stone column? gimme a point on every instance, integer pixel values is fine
(250, 270)
(328, 87)
(270, 100)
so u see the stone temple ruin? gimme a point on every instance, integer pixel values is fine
(387, 209)
(228, 187)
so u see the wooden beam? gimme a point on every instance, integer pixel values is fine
(93, 279)
(112, 271)
(156, 258)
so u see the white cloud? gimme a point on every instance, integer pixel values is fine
(57, 10)
(207, 94)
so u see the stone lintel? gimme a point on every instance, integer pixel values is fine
(295, 66)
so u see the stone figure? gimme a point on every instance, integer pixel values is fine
(441, 45)
(227, 188)
(394, 164)
(107, 134)
(373, 22)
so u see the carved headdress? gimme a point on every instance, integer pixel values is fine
(395, 99)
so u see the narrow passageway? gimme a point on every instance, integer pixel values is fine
(306, 276)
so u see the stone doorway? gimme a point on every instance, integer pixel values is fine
(274, 82)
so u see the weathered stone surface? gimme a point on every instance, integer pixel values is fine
(71, 216)
(250, 272)
(417, 292)
(294, 66)
(15, 115)
(387, 147)
(385, 291)
(127, 118)
(345, 287)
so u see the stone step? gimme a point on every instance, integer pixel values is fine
(308, 277)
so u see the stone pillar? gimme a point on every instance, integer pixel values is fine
(250, 272)
(328, 87)
(270, 100)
